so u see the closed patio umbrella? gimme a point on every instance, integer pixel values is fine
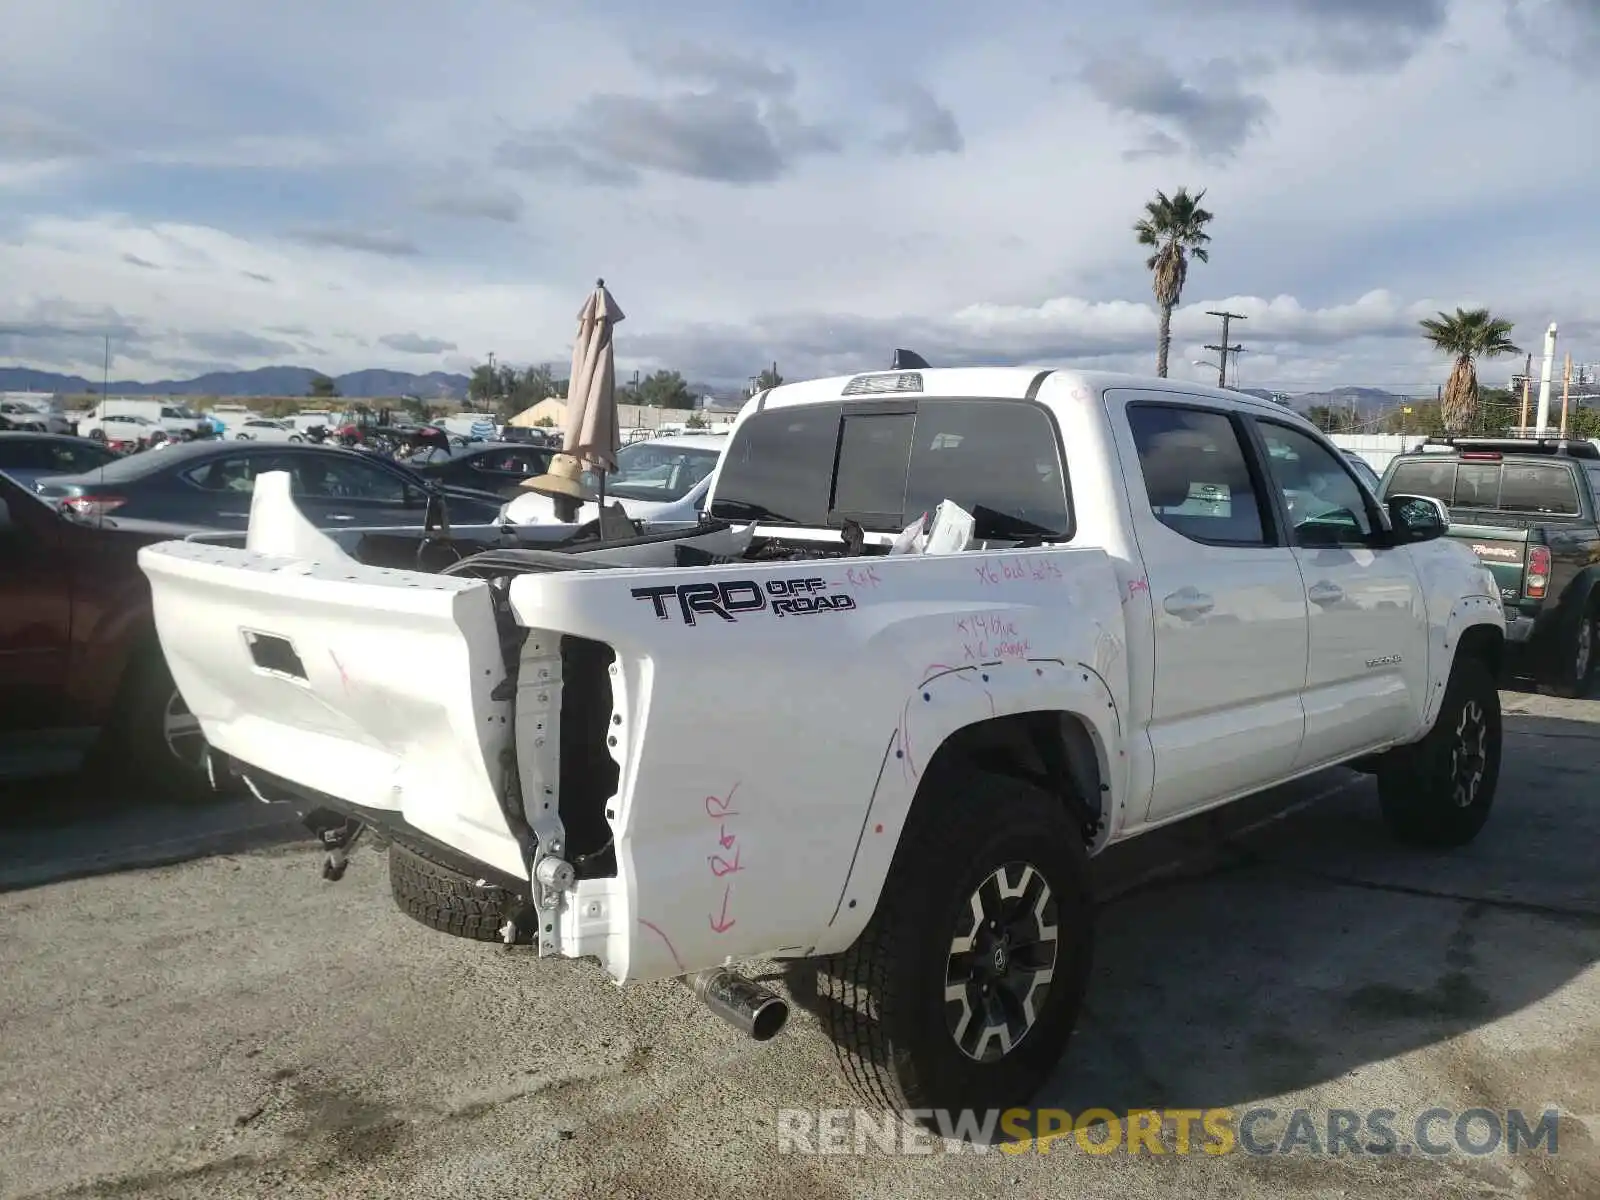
(592, 435)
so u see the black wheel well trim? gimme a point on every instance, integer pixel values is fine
(1052, 749)
(1481, 641)
(1072, 767)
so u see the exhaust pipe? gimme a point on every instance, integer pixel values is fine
(755, 1011)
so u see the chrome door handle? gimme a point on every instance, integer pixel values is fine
(1187, 602)
(1325, 593)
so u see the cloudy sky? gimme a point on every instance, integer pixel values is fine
(391, 183)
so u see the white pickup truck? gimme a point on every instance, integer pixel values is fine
(766, 736)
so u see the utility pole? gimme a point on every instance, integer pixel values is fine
(1566, 391)
(105, 371)
(1225, 349)
(1527, 388)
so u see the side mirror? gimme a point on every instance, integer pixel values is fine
(1417, 518)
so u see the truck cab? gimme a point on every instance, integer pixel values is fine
(1529, 508)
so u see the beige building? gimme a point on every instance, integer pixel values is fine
(629, 416)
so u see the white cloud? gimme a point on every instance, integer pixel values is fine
(761, 186)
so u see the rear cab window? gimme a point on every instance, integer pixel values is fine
(1539, 488)
(886, 463)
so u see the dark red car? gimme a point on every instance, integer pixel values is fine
(82, 677)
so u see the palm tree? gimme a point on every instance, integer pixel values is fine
(1174, 227)
(1468, 336)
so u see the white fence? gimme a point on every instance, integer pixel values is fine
(1377, 448)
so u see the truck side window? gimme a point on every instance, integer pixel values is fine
(1326, 505)
(1537, 488)
(1424, 478)
(1196, 474)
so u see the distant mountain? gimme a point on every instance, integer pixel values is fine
(265, 381)
(1367, 402)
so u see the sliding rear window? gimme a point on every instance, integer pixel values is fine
(885, 465)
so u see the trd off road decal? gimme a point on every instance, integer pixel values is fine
(731, 599)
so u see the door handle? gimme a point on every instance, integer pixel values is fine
(1187, 602)
(1325, 593)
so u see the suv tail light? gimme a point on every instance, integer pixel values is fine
(1538, 572)
(92, 508)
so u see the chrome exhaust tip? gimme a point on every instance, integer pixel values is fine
(755, 1011)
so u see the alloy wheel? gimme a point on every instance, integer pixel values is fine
(1001, 963)
(1469, 755)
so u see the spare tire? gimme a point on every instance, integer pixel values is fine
(442, 896)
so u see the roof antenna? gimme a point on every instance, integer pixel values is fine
(905, 360)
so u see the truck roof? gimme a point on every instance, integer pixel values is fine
(1508, 447)
(1000, 383)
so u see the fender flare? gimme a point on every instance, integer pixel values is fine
(1467, 614)
(937, 708)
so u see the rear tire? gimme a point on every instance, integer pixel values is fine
(442, 896)
(1575, 676)
(1438, 792)
(985, 923)
(155, 735)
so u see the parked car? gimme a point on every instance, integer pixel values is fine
(79, 659)
(263, 429)
(664, 481)
(1364, 469)
(208, 484)
(527, 436)
(27, 418)
(28, 456)
(1530, 510)
(124, 432)
(174, 420)
(497, 467)
(897, 764)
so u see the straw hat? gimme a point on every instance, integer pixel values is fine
(564, 478)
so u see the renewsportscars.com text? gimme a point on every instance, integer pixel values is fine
(1339, 1132)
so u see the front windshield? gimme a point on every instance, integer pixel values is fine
(657, 471)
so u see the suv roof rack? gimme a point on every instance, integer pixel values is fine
(1556, 447)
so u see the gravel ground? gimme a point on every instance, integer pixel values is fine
(234, 1026)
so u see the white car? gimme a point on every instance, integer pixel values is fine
(121, 429)
(663, 481)
(14, 415)
(831, 734)
(262, 429)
